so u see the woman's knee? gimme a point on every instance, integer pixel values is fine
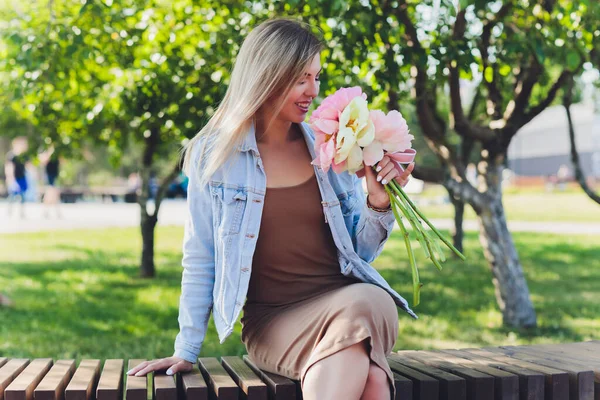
(377, 376)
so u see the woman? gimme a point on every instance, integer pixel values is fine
(290, 243)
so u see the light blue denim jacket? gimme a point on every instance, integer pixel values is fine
(222, 227)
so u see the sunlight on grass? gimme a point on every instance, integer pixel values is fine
(523, 206)
(78, 294)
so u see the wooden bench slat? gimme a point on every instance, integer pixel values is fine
(450, 386)
(506, 384)
(404, 387)
(164, 386)
(554, 355)
(531, 383)
(556, 384)
(480, 386)
(136, 387)
(10, 371)
(568, 371)
(52, 386)
(23, 385)
(581, 380)
(191, 385)
(589, 350)
(278, 387)
(246, 379)
(425, 387)
(218, 379)
(110, 384)
(570, 353)
(83, 382)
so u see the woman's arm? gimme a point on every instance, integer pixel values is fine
(373, 228)
(198, 278)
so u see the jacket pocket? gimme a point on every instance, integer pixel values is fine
(230, 208)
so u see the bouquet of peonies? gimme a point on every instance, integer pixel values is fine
(350, 137)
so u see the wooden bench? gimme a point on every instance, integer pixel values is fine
(550, 372)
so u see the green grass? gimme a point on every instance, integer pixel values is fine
(527, 206)
(77, 295)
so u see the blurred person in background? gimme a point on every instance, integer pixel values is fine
(15, 172)
(51, 164)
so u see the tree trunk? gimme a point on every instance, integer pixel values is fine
(512, 293)
(148, 220)
(459, 213)
(147, 226)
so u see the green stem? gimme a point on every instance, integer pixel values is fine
(427, 243)
(412, 219)
(411, 256)
(396, 187)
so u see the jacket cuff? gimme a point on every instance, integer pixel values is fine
(386, 218)
(186, 355)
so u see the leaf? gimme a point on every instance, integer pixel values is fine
(573, 60)
(488, 74)
(504, 70)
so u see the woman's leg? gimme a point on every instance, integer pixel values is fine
(342, 375)
(377, 387)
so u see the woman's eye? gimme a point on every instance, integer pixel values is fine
(316, 79)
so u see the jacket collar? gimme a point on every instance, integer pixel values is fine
(249, 143)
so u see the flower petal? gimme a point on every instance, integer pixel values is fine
(373, 153)
(355, 159)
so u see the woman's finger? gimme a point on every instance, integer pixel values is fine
(382, 163)
(155, 366)
(138, 367)
(389, 176)
(182, 366)
(381, 176)
(408, 170)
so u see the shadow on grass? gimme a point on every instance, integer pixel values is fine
(87, 300)
(458, 305)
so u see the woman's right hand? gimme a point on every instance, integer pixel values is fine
(171, 364)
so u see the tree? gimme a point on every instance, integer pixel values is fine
(132, 71)
(525, 51)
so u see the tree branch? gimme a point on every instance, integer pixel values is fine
(461, 124)
(429, 174)
(494, 94)
(579, 175)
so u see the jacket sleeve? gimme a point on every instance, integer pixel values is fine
(373, 228)
(198, 277)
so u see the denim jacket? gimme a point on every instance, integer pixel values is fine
(222, 227)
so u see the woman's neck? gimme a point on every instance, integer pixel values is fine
(279, 133)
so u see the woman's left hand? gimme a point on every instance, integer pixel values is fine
(378, 197)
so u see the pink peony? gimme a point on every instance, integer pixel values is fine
(325, 123)
(391, 136)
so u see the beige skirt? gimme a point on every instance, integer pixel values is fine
(288, 340)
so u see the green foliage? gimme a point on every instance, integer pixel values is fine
(128, 70)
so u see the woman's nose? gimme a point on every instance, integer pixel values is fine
(313, 89)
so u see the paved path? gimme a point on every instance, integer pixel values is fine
(172, 212)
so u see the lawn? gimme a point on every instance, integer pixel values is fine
(77, 295)
(524, 205)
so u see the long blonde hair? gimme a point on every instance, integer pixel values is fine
(272, 58)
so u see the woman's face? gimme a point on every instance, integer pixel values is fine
(302, 93)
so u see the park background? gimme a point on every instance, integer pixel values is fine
(502, 97)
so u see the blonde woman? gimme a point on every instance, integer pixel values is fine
(283, 241)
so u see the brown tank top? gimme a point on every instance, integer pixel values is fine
(295, 257)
